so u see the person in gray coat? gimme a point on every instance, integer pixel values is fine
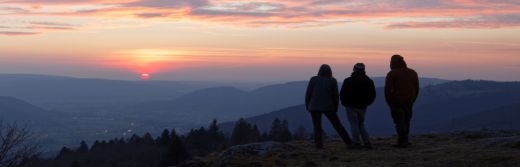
(322, 97)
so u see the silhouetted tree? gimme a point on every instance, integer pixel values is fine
(280, 131)
(15, 144)
(286, 135)
(148, 139)
(255, 134)
(217, 136)
(134, 139)
(64, 152)
(83, 147)
(201, 141)
(164, 139)
(176, 151)
(244, 133)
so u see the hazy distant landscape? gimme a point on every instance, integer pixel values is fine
(161, 83)
(62, 111)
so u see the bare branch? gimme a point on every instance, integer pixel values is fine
(15, 144)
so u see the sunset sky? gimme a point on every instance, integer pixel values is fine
(258, 40)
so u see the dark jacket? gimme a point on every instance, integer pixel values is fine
(358, 91)
(402, 83)
(322, 92)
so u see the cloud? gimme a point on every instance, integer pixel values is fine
(482, 14)
(51, 26)
(14, 33)
(11, 10)
(494, 21)
(33, 28)
(168, 3)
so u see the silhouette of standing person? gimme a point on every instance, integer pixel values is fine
(322, 97)
(401, 91)
(357, 93)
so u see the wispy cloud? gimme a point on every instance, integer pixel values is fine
(481, 14)
(168, 3)
(492, 21)
(51, 26)
(21, 28)
(14, 33)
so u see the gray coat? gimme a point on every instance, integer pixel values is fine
(322, 93)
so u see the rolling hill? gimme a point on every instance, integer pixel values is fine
(12, 109)
(45, 90)
(504, 117)
(224, 103)
(457, 101)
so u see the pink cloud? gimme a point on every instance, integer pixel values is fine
(14, 33)
(33, 28)
(492, 21)
(295, 13)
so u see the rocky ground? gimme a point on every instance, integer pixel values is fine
(466, 149)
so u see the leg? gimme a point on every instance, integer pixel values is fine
(318, 132)
(408, 118)
(352, 116)
(399, 117)
(334, 120)
(363, 131)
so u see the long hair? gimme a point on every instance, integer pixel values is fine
(325, 71)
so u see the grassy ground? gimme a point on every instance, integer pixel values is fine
(457, 149)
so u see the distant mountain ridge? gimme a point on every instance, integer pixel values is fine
(12, 109)
(228, 103)
(223, 103)
(84, 104)
(504, 117)
(460, 103)
(41, 89)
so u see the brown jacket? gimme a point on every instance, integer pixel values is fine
(402, 83)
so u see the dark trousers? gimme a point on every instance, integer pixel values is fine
(402, 115)
(334, 120)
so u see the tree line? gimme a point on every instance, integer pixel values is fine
(167, 149)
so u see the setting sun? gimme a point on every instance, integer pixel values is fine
(145, 76)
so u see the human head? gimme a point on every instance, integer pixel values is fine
(359, 67)
(397, 61)
(325, 71)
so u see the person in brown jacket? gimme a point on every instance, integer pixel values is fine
(401, 91)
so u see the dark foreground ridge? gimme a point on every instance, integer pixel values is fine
(480, 148)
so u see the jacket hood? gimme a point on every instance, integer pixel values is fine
(397, 61)
(325, 71)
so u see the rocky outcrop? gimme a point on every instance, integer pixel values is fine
(251, 150)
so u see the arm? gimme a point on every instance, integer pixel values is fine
(308, 94)
(343, 92)
(389, 84)
(417, 86)
(335, 95)
(371, 92)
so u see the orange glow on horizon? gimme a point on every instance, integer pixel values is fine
(145, 61)
(145, 76)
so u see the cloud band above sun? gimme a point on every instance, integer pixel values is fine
(24, 17)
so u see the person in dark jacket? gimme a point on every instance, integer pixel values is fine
(401, 91)
(322, 98)
(357, 93)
